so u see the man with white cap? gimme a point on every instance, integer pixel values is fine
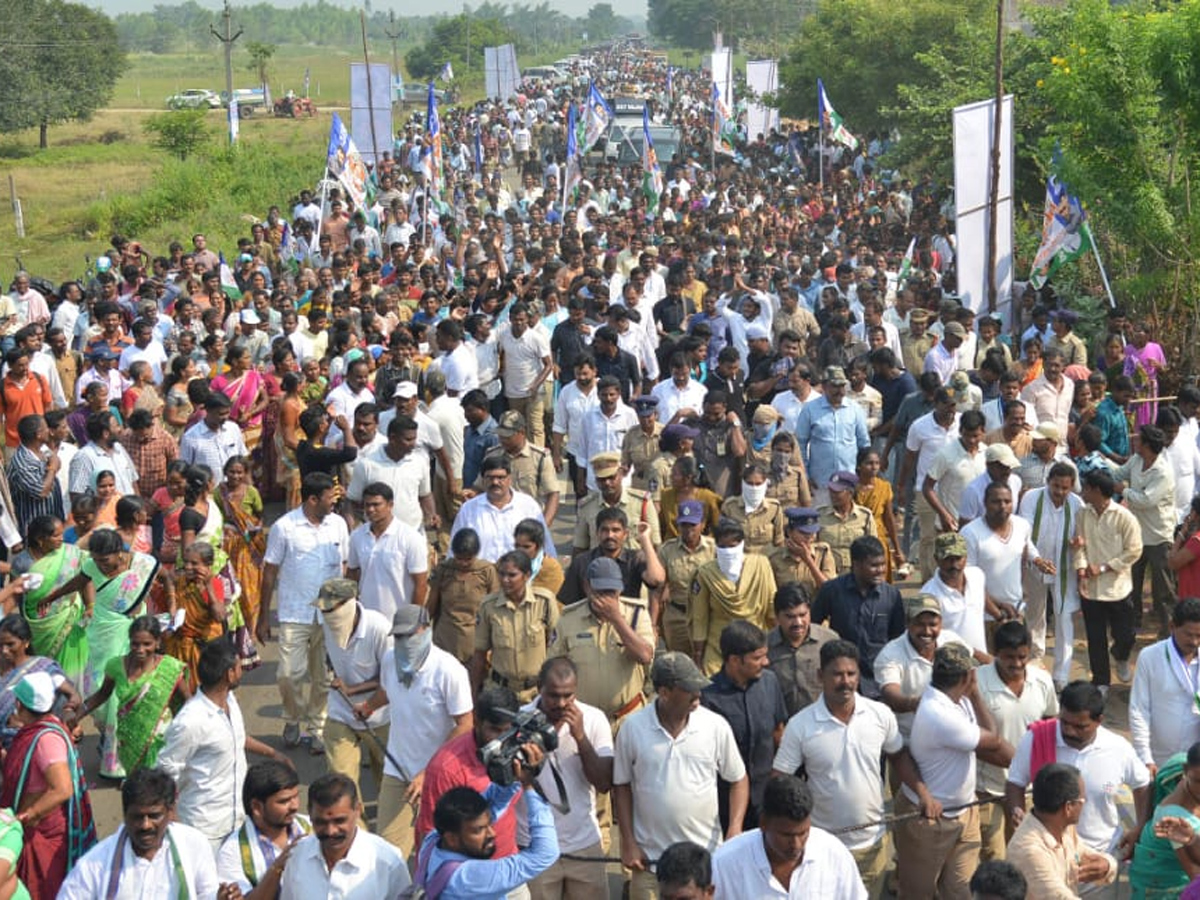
(428, 690)
(251, 336)
(356, 639)
(1000, 467)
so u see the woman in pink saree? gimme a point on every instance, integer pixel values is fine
(1144, 360)
(244, 386)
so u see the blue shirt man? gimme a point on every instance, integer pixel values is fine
(831, 431)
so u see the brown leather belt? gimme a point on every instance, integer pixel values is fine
(638, 699)
(515, 684)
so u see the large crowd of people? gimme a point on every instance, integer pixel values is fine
(715, 538)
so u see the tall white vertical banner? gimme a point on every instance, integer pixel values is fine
(365, 107)
(491, 72)
(722, 73)
(234, 119)
(762, 77)
(974, 130)
(510, 74)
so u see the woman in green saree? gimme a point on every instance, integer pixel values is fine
(115, 583)
(1160, 869)
(149, 689)
(58, 632)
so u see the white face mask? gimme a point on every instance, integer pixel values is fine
(753, 495)
(730, 559)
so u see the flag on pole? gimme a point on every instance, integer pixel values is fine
(652, 179)
(345, 163)
(906, 265)
(723, 128)
(1066, 235)
(831, 122)
(228, 283)
(574, 169)
(670, 82)
(478, 155)
(597, 118)
(431, 154)
(447, 73)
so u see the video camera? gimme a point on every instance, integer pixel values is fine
(529, 727)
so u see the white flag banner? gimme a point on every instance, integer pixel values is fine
(762, 77)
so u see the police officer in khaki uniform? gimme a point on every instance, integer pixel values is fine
(531, 466)
(802, 559)
(513, 625)
(916, 342)
(761, 517)
(610, 638)
(681, 557)
(843, 521)
(637, 505)
(640, 445)
(676, 441)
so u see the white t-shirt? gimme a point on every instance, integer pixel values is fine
(742, 870)
(578, 829)
(357, 663)
(943, 742)
(387, 564)
(970, 504)
(461, 369)
(842, 761)
(899, 663)
(1001, 558)
(674, 780)
(963, 613)
(953, 469)
(1106, 764)
(523, 359)
(1013, 714)
(926, 438)
(440, 690)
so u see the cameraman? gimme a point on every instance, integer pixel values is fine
(585, 759)
(456, 857)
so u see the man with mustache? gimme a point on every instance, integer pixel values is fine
(339, 859)
(149, 848)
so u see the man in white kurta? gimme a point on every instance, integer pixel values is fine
(1164, 703)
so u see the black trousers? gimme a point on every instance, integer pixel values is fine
(1162, 588)
(1099, 616)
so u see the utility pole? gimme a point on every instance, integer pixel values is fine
(395, 34)
(467, 56)
(227, 39)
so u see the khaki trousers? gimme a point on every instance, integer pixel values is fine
(396, 818)
(928, 521)
(993, 834)
(344, 751)
(303, 680)
(570, 879)
(873, 864)
(936, 858)
(643, 886)
(533, 409)
(676, 634)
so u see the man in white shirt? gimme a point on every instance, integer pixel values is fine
(604, 426)
(952, 727)
(447, 413)
(1018, 695)
(458, 361)
(205, 747)
(680, 396)
(344, 399)
(144, 348)
(305, 548)
(574, 402)
(1051, 394)
(961, 591)
(256, 853)
(150, 851)
(956, 465)
(404, 469)
(585, 759)
(786, 856)
(339, 859)
(1000, 544)
(925, 439)
(355, 640)
(214, 440)
(904, 666)
(1164, 703)
(495, 513)
(1053, 513)
(388, 558)
(839, 740)
(943, 357)
(1000, 467)
(1106, 760)
(525, 364)
(668, 759)
(429, 691)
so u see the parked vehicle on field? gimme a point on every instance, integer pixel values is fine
(194, 98)
(292, 107)
(248, 100)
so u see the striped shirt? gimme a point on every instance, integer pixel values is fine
(26, 474)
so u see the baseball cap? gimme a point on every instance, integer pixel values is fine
(691, 512)
(408, 619)
(843, 481)
(676, 670)
(955, 330)
(35, 691)
(757, 332)
(511, 423)
(1003, 454)
(249, 317)
(835, 375)
(803, 518)
(605, 465)
(605, 575)
(1046, 431)
(949, 544)
(334, 593)
(953, 659)
(765, 415)
(921, 603)
(918, 315)
(405, 389)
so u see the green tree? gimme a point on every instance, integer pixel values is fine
(602, 23)
(260, 59)
(59, 62)
(451, 39)
(179, 132)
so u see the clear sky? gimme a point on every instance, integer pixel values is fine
(633, 8)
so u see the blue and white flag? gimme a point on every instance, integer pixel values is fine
(597, 118)
(652, 178)
(447, 73)
(478, 154)
(724, 129)
(573, 173)
(431, 153)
